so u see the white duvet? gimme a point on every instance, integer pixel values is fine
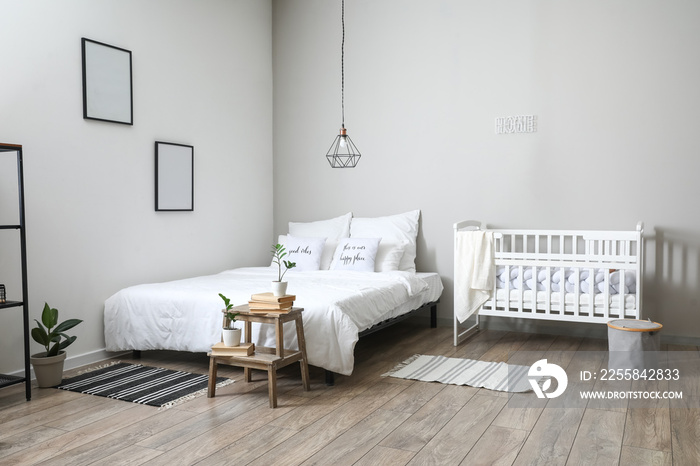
(185, 315)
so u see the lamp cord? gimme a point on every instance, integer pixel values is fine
(342, 65)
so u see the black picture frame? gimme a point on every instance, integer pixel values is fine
(107, 83)
(174, 177)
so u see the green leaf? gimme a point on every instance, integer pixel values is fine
(39, 335)
(227, 302)
(49, 316)
(53, 351)
(65, 325)
(38, 324)
(66, 342)
(278, 251)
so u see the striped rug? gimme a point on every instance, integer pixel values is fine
(492, 375)
(152, 386)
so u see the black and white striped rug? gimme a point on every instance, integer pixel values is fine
(491, 375)
(152, 386)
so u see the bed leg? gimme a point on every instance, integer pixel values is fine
(136, 354)
(433, 316)
(330, 378)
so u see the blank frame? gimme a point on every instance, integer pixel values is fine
(174, 177)
(107, 83)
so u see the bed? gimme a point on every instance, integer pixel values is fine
(562, 275)
(340, 302)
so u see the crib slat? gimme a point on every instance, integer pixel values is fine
(606, 294)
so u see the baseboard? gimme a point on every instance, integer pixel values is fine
(91, 358)
(84, 359)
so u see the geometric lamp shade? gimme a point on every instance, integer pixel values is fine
(343, 153)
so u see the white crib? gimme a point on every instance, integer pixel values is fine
(577, 276)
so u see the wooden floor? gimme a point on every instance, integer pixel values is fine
(365, 419)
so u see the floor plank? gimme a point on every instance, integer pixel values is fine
(599, 438)
(385, 456)
(685, 435)
(550, 440)
(314, 438)
(250, 447)
(351, 445)
(452, 443)
(509, 442)
(422, 426)
(642, 456)
(648, 428)
(209, 442)
(85, 435)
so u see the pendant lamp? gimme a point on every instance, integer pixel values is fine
(343, 153)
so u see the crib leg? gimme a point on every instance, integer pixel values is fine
(433, 316)
(330, 378)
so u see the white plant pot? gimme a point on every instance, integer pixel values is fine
(279, 288)
(232, 336)
(48, 371)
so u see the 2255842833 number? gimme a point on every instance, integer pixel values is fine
(637, 374)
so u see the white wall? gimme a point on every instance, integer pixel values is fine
(202, 75)
(614, 86)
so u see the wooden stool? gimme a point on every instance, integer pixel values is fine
(266, 358)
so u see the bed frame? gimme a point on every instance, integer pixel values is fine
(562, 250)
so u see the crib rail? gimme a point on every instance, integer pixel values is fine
(602, 256)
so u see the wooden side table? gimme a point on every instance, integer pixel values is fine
(266, 358)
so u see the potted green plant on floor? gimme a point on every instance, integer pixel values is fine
(48, 365)
(279, 288)
(230, 334)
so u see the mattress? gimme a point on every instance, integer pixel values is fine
(185, 315)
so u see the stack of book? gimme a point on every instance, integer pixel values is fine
(267, 303)
(244, 349)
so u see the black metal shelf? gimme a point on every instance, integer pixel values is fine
(6, 380)
(11, 304)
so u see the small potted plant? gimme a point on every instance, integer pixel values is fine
(48, 365)
(279, 288)
(230, 334)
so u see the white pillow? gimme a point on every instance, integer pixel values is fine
(391, 229)
(356, 254)
(389, 256)
(333, 229)
(306, 252)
